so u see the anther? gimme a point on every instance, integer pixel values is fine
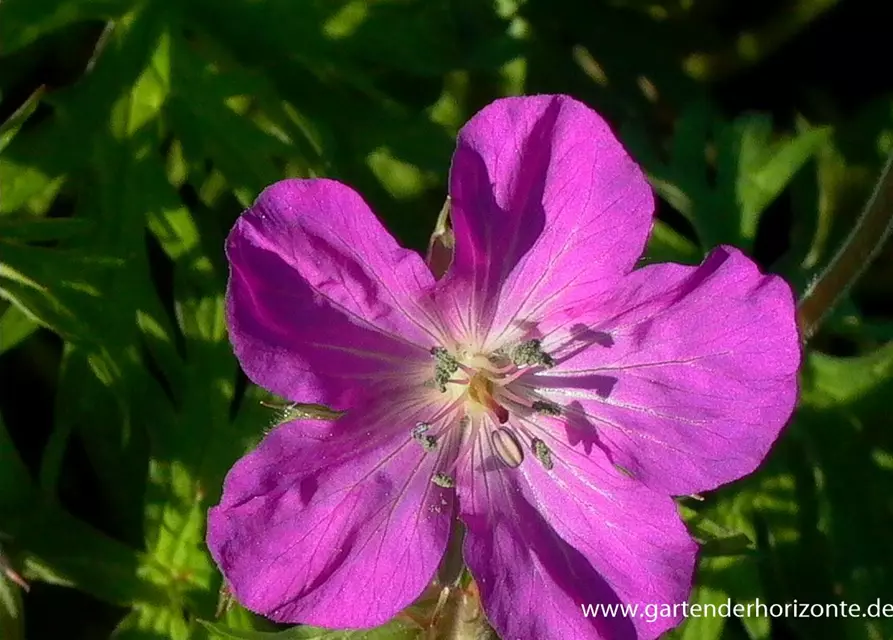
(507, 447)
(443, 480)
(543, 453)
(446, 366)
(429, 443)
(531, 354)
(546, 408)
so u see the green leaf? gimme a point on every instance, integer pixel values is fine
(666, 245)
(842, 430)
(15, 327)
(752, 167)
(702, 623)
(14, 122)
(63, 550)
(714, 538)
(12, 621)
(24, 21)
(148, 621)
(210, 129)
(25, 186)
(764, 166)
(32, 229)
(15, 481)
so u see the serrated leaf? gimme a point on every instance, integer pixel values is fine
(766, 166)
(210, 129)
(61, 288)
(752, 167)
(152, 621)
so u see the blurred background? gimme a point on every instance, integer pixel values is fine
(133, 133)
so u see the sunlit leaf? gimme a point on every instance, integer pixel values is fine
(15, 326)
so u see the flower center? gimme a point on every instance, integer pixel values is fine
(480, 391)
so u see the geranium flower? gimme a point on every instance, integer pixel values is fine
(545, 391)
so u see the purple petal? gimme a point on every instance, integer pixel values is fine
(546, 206)
(543, 544)
(319, 292)
(332, 530)
(684, 374)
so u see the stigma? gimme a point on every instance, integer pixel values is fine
(483, 381)
(480, 391)
(480, 396)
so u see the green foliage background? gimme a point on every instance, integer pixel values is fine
(133, 132)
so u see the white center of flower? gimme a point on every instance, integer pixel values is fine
(483, 392)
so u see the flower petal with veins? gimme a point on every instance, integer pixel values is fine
(544, 391)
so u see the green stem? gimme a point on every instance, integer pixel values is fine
(857, 252)
(452, 564)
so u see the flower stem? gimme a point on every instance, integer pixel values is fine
(857, 252)
(458, 615)
(452, 564)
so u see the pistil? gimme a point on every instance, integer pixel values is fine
(480, 390)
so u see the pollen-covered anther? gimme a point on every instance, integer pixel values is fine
(446, 365)
(543, 453)
(507, 448)
(443, 480)
(546, 408)
(530, 354)
(429, 443)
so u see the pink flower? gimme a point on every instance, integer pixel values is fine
(546, 392)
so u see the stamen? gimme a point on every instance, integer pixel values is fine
(443, 480)
(499, 370)
(469, 429)
(446, 366)
(491, 365)
(531, 354)
(543, 453)
(507, 447)
(540, 406)
(429, 443)
(546, 408)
